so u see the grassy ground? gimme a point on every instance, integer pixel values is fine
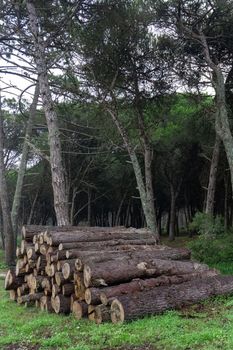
(207, 326)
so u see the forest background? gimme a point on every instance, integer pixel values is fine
(121, 127)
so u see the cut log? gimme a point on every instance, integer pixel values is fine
(86, 257)
(102, 313)
(68, 289)
(13, 294)
(43, 248)
(112, 272)
(91, 312)
(41, 263)
(72, 299)
(61, 304)
(46, 284)
(43, 301)
(29, 298)
(92, 295)
(51, 269)
(79, 309)
(12, 281)
(55, 238)
(68, 268)
(59, 278)
(24, 246)
(22, 290)
(61, 255)
(110, 244)
(55, 290)
(159, 299)
(60, 263)
(31, 254)
(29, 231)
(18, 253)
(138, 285)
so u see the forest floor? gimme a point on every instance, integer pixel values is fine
(207, 326)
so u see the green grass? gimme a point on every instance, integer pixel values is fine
(207, 326)
(2, 264)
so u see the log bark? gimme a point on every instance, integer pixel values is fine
(86, 257)
(92, 295)
(213, 177)
(68, 289)
(59, 278)
(12, 281)
(29, 298)
(55, 238)
(80, 309)
(102, 313)
(112, 272)
(9, 239)
(159, 299)
(55, 159)
(107, 244)
(61, 304)
(29, 231)
(138, 285)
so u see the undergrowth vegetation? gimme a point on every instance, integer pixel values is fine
(213, 246)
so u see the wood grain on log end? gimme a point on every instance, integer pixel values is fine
(117, 312)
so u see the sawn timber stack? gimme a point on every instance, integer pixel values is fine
(107, 274)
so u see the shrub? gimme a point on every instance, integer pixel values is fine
(213, 245)
(206, 224)
(212, 250)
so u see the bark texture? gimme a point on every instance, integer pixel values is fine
(23, 162)
(5, 204)
(111, 272)
(213, 177)
(159, 299)
(57, 168)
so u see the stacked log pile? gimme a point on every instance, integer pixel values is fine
(107, 274)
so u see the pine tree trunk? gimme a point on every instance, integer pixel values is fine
(23, 163)
(172, 215)
(151, 215)
(6, 214)
(145, 190)
(222, 125)
(212, 177)
(226, 216)
(57, 169)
